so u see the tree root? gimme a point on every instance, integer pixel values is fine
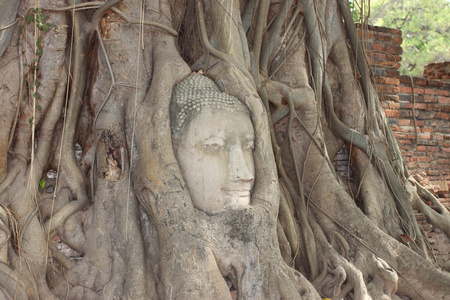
(439, 217)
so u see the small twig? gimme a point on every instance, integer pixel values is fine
(414, 110)
(9, 25)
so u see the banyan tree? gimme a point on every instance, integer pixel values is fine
(183, 149)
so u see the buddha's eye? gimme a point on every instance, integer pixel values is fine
(214, 146)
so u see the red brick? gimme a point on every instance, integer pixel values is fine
(420, 123)
(427, 129)
(421, 106)
(378, 47)
(433, 149)
(367, 34)
(444, 100)
(424, 159)
(442, 115)
(394, 50)
(404, 89)
(404, 141)
(425, 136)
(391, 113)
(395, 106)
(397, 40)
(392, 81)
(374, 54)
(421, 148)
(429, 99)
(405, 129)
(411, 165)
(420, 81)
(438, 137)
(397, 58)
(443, 92)
(403, 122)
(430, 92)
(418, 91)
(386, 89)
(434, 107)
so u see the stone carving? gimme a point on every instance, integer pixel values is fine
(213, 140)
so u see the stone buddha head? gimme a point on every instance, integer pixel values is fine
(213, 140)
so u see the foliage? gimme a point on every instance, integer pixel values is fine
(425, 27)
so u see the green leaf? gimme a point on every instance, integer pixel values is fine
(30, 120)
(46, 27)
(42, 184)
(29, 18)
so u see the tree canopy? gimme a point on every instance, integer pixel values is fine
(425, 28)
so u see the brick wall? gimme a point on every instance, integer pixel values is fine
(439, 71)
(418, 109)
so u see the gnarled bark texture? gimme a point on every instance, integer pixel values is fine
(85, 94)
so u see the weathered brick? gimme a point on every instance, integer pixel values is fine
(430, 99)
(406, 129)
(392, 81)
(376, 54)
(426, 115)
(443, 93)
(420, 123)
(386, 89)
(418, 91)
(433, 149)
(405, 97)
(404, 122)
(425, 136)
(388, 97)
(424, 159)
(391, 113)
(394, 50)
(405, 89)
(443, 115)
(420, 81)
(427, 129)
(444, 100)
(421, 106)
(397, 40)
(378, 47)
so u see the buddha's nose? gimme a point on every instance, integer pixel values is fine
(238, 168)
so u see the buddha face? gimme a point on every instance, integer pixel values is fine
(215, 154)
